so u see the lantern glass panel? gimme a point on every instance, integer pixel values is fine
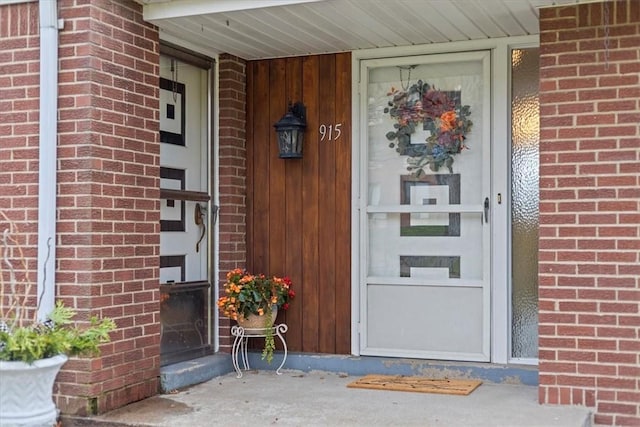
(290, 142)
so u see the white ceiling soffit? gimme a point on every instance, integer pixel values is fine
(258, 29)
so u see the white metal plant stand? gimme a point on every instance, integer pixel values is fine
(242, 335)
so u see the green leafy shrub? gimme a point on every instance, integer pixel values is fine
(58, 335)
(24, 338)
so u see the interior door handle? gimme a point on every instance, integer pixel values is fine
(486, 209)
(199, 216)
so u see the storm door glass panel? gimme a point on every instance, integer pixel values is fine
(427, 245)
(524, 201)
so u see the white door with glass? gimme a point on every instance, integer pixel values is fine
(424, 214)
(184, 170)
(184, 207)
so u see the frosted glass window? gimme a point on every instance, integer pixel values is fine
(524, 201)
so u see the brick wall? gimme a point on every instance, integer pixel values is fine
(589, 270)
(108, 183)
(19, 99)
(108, 208)
(232, 174)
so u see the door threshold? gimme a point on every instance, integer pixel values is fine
(184, 374)
(364, 365)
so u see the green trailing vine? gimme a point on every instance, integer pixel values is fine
(269, 342)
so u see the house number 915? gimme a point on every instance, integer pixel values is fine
(330, 132)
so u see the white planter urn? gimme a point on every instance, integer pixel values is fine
(26, 392)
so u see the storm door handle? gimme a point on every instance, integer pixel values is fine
(486, 209)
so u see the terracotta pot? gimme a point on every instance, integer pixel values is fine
(258, 322)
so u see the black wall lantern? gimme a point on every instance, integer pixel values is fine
(290, 129)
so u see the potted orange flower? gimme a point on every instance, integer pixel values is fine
(253, 301)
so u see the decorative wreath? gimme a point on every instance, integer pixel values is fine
(435, 111)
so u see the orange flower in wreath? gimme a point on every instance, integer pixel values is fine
(448, 121)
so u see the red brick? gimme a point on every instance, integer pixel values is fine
(617, 357)
(596, 369)
(595, 319)
(626, 421)
(629, 371)
(619, 307)
(576, 380)
(617, 408)
(601, 419)
(617, 282)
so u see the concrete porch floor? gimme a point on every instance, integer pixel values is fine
(301, 397)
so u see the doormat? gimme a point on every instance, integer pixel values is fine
(416, 384)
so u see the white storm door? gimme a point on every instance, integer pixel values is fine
(425, 240)
(184, 170)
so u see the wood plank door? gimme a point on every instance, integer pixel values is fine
(298, 210)
(424, 214)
